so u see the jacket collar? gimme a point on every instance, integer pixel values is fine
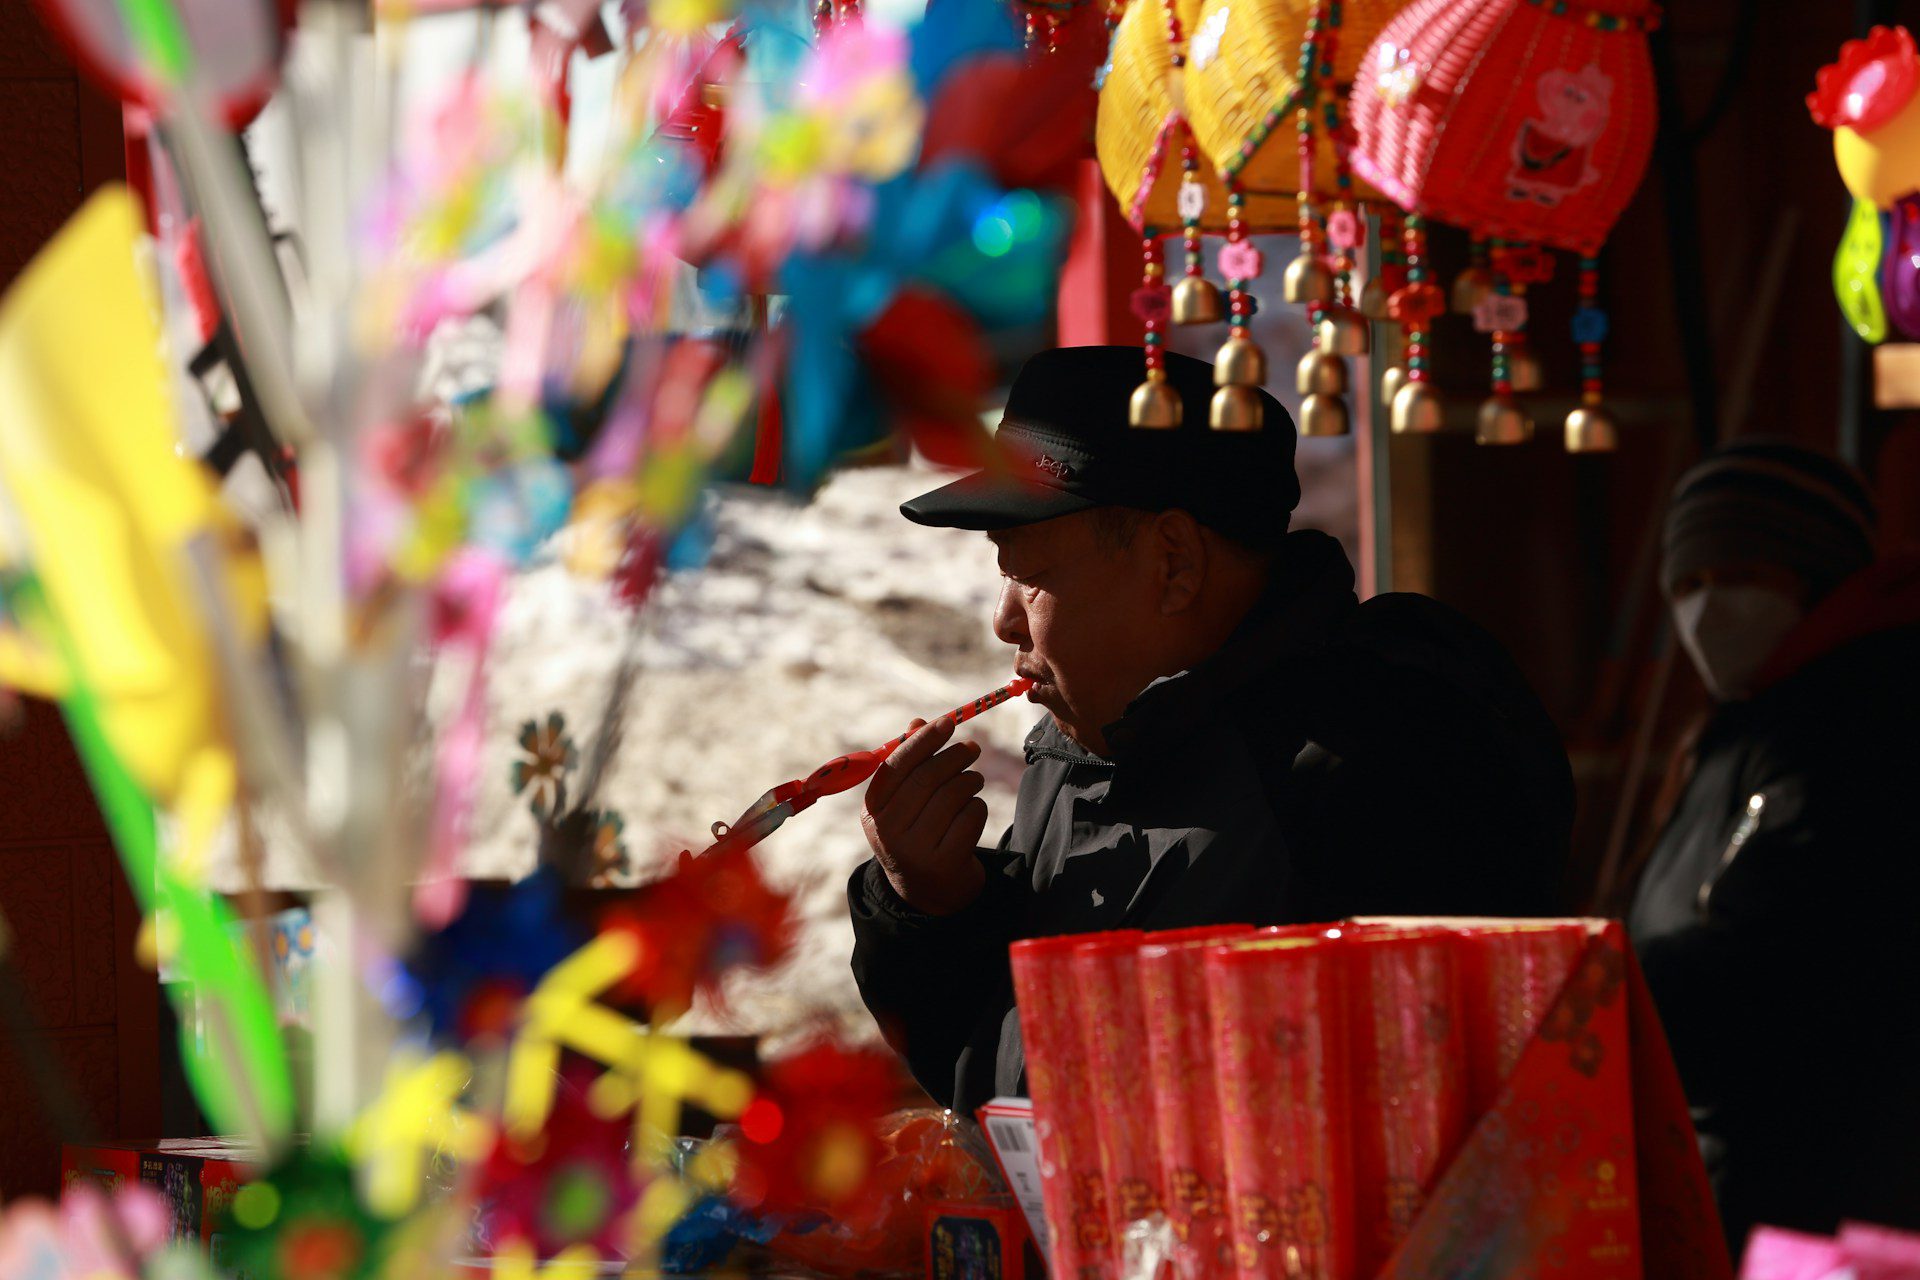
(1311, 592)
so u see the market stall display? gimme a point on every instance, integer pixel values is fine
(1376, 1119)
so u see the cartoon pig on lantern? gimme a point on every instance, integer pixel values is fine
(1553, 150)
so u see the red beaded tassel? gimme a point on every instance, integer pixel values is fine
(1590, 428)
(1416, 406)
(1503, 314)
(1376, 297)
(1240, 367)
(1155, 404)
(1196, 300)
(1338, 330)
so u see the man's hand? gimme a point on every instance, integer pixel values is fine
(923, 819)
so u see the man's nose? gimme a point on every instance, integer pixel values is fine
(1009, 618)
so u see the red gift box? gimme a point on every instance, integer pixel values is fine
(975, 1242)
(1279, 1023)
(1179, 1037)
(1410, 1077)
(1066, 1121)
(1112, 1032)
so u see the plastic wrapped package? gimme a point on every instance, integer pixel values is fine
(933, 1157)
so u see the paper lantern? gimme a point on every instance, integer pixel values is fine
(1527, 120)
(1244, 90)
(1142, 124)
(1529, 123)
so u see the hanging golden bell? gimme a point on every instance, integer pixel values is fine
(1196, 300)
(1321, 373)
(1236, 408)
(1240, 363)
(1155, 404)
(1503, 422)
(1373, 300)
(1324, 415)
(1344, 332)
(1523, 370)
(1591, 429)
(1417, 410)
(1392, 378)
(1307, 280)
(1469, 287)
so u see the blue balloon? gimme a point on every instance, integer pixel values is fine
(953, 31)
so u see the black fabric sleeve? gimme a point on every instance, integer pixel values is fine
(932, 982)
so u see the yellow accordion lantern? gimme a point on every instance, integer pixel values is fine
(1202, 111)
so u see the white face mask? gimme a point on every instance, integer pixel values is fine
(1730, 632)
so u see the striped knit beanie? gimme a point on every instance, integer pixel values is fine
(1768, 500)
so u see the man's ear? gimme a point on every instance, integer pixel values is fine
(1180, 550)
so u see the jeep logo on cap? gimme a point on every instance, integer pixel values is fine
(1054, 467)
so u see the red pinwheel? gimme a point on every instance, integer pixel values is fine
(714, 913)
(574, 1184)
(813, 1133)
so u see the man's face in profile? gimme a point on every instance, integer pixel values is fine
(1078, 603)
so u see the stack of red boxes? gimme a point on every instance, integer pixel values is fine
(1381, 1098)
(197, 1177)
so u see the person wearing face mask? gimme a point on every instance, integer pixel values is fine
(1776, 912)
(1230, 735)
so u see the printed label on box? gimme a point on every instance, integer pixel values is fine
(1009, 1126)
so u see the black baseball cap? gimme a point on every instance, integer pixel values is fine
(1064, 445)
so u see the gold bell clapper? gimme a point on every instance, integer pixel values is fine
(1197, 300)
(1502, 422)
(1343, 331)
(1236, 409)
(1155, 404)
(1470, 287)
(1417, 410)
(1591, 429)
(1321, 374)
(1392, 378)
(1325, 415)
(1307, 281)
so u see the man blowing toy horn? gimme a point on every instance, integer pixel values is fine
(1230, 735)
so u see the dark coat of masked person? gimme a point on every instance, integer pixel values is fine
(1329, 757)
(1776, 912)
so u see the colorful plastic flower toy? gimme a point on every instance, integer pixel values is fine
(1869, 99)
(812, 1136)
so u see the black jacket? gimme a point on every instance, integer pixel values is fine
(1332, 759)
(1779, 946)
